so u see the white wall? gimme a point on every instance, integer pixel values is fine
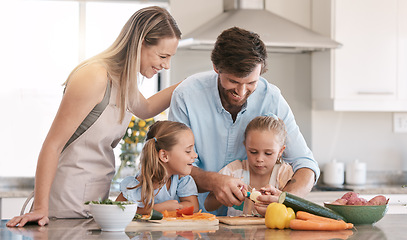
(341, 135)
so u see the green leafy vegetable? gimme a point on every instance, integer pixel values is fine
(120, 204)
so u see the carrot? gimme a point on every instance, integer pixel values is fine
(165, 213)
(171, 215)
(299, 224)
(309, 216)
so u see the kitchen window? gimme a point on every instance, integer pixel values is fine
(42, 41)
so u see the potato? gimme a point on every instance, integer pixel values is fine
(339, 201)
(254, 194)
(350, 195)
(352, 198)
(378, 200)
(359, 201)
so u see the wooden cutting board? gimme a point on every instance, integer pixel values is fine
(241, 220)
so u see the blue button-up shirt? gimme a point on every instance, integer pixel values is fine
(219, 140)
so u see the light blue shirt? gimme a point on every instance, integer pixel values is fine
(219, 140)
(180, 187)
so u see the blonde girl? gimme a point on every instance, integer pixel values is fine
(265, 143)
(166, 161)
(76, 163)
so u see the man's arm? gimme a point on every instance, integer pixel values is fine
(301, 183)
(225, 188)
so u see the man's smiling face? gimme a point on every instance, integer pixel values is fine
(234, 91)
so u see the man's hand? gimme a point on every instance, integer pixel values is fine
(228, 190)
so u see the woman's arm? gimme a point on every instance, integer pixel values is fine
(86, 89)
(147, 108)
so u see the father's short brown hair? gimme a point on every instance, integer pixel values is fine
(238, 51)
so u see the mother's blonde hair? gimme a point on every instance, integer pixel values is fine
(122, 58)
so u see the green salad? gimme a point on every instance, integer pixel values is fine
(120, 204)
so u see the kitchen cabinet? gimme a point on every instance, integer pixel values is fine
(368, 73)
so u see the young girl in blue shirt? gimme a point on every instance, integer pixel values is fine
(163, 182)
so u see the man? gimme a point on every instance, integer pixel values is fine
(218, 105)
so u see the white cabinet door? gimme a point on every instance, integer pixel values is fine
(402, 51)
(366, 65)
(369, 72)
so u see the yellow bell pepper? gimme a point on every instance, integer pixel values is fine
(278, 216)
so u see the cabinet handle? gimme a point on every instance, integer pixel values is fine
(374, 93)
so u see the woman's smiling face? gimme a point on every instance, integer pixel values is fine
(156, 57)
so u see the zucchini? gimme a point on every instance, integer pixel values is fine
(301, 204)
(154, 215)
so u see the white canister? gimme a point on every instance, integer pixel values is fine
(356, 173)
(334, 173)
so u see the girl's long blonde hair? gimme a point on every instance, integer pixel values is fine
(161, 135)
(122, 59)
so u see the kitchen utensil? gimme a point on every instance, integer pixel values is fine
(334, 173)
(356, 173)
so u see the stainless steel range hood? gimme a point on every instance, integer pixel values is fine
(280, 35)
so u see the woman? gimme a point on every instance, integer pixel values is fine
(76, 162)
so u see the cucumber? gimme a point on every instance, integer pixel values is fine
(156, 215)
(301, 204)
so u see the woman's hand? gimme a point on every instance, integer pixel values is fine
(35, 216)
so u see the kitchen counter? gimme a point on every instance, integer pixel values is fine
(390, 227)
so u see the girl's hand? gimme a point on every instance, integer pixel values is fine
(35, 216)
(269, 194)
(170, 205)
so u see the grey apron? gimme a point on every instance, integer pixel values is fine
(86, 167)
